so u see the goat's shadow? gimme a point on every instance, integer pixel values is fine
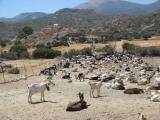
(43, 102)
(99, 96)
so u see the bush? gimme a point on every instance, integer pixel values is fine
(17, 42)
(86, 51)
(20, 51)
(14, 71)
(108, 50)
(24, 32)
(3, 43)
(100, 50)
(53, 44)
(73, 52)
(44, 52)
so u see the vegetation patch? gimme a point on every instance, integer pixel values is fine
(141, 51)
(73, 52)
(43, 52)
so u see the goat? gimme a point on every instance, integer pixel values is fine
(133, 91)
(118, 85)
(67, 76)
(80, 76)
(77, 106)
(143, 81)
(153, 88)
(39, 88)
(155, 96)
(95, 85)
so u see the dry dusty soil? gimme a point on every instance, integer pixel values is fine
(112, 105)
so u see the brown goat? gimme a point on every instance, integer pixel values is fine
(78, 105)
(133, 91)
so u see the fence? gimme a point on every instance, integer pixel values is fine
(27, 69)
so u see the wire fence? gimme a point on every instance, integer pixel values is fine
(28, 68)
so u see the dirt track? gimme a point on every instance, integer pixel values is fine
(113, 105)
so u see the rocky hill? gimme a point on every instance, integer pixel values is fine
(119, 7)
(88, 21)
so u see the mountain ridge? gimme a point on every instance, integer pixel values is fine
(119, 7)
(23, 17)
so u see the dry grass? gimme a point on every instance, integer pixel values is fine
(73, 46)
(154, 41)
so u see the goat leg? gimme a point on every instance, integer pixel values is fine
(93, 93)
(28, 98)
(98, 92)
(41, 96)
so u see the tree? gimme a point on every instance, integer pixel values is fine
(3, 43)
(24, 32)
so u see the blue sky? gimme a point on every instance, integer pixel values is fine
(10, 8)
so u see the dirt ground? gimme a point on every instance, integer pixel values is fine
(112, 105)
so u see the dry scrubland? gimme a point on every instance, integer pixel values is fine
(113, 105)
(27, 68)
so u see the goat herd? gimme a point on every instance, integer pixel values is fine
(114, 72)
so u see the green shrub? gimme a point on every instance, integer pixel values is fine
(100, 50)
(86, 51)
(73, 52)
(40, 46)
(108, 50)
(3, 43)
(17, 42)
(19, 51)
(24, 32)
(44, 52)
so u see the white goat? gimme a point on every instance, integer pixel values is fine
(95, 85)
(39, 88)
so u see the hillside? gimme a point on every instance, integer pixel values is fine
(50, 34)
(90, 22)
(119, 7)
(70, 18)
(23, 17)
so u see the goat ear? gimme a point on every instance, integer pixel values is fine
(47, 86)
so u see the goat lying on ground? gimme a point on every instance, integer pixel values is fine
(118, 85)
(67, 76)
(153, 88)
(143, 81)
(39, 88)
(133, 91)
(95, 85)
(155, 96)
(77, 106)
